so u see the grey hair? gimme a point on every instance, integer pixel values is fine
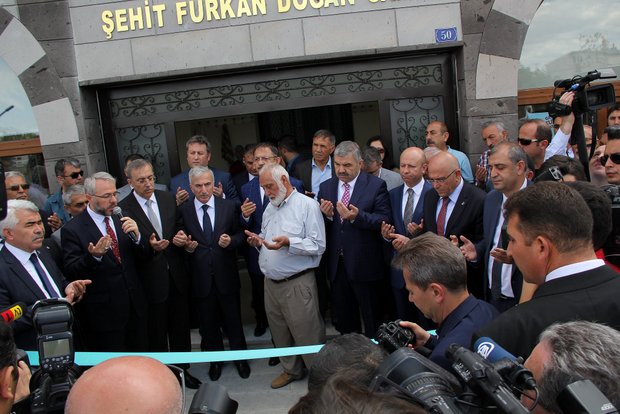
(10, 174)
(71, 191)
(346, 148)
(10, 221)
(430, 258)
(136, 165)
(498, 124)
(515, 152)
(198, 139)
(370, 155)
(580, 350)
(90, 182)
(59, 167)
(198, 171)
(324, 133)
(277, 171)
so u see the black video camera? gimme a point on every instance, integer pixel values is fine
(391, 336)
(587, 98)
(53, 321)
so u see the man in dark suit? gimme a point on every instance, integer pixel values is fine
(250, 172)
(354, 205)
(28, 274)
(211, 236)
(320, 167)
(164, 275)
(254, 204)
(407, 202)
(99, 245)
(503, 281)
(550, 233)
(454, 209)
(199, 154)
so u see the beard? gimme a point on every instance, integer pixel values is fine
(277, 200)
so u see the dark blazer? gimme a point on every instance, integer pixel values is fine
(251, 191)
(16, 285)
(219, 176)
(590, 296)
(155, 271)
(211, 264)
(396, 200)
(358, 240)
(466, 218)
(303, 171)
(115, 287)
(239, 180)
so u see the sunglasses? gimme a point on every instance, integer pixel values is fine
(75, 175)
(615, 158)
(16, 187)
(526, 141)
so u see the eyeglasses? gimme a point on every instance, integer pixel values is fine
(108, 195)
(440, 180)
(526, 141)
(80, 204)
(615, 158)
(16, 187)
(179, 374)
(75, 175)
(265, 159)
(142, 181)
(380, 150)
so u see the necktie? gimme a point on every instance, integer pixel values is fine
(153, 217)
(441, 218)
(346, 196)
(408, 215)
(496, 273)
(206, 224)
(46, 282)
(110, 232)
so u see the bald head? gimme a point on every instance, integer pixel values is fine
(126, 384)
(412, 165)
(444, 173)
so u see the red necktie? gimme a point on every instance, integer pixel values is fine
(346, 196)
(441, 218)
(110, 232)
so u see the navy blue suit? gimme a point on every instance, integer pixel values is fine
(355, 262)
(16, 285)
(219, 176)
(215, 283)
(251, 191)
(404, 308)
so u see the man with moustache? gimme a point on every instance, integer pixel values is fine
(211, 236)
(493, 132)
(106, 248)
(407, 207)
(320, 168)
(164, 275)
(27, 272)
(291, 242)
(437, 136)
(355, 204)
(68, 172)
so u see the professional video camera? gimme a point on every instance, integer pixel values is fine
(587, 98)
(53, 321)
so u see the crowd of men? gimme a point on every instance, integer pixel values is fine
(436, 245)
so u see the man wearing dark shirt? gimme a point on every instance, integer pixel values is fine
(435, 275)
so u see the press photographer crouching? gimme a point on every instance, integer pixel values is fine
(435, 274)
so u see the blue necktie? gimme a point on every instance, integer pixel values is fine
(46, 282)
(206, 224)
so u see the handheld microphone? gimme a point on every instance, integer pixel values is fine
(13, 312)
(505, 363)
(478, 372)
(119, 213)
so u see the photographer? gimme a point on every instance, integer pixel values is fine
(435, 275)
(573, 351)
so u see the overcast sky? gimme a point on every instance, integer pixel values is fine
(21, 118)
(557, 25)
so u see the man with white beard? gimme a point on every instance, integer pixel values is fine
(290, 244)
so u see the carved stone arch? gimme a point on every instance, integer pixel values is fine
(50, 104)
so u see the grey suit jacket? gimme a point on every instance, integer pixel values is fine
(391, 178)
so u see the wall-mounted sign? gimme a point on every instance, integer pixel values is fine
(445, 35)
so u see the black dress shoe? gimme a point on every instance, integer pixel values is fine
(215, 371)
(243, 368)
(191, 381)
(273, 361)
(261, 328)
